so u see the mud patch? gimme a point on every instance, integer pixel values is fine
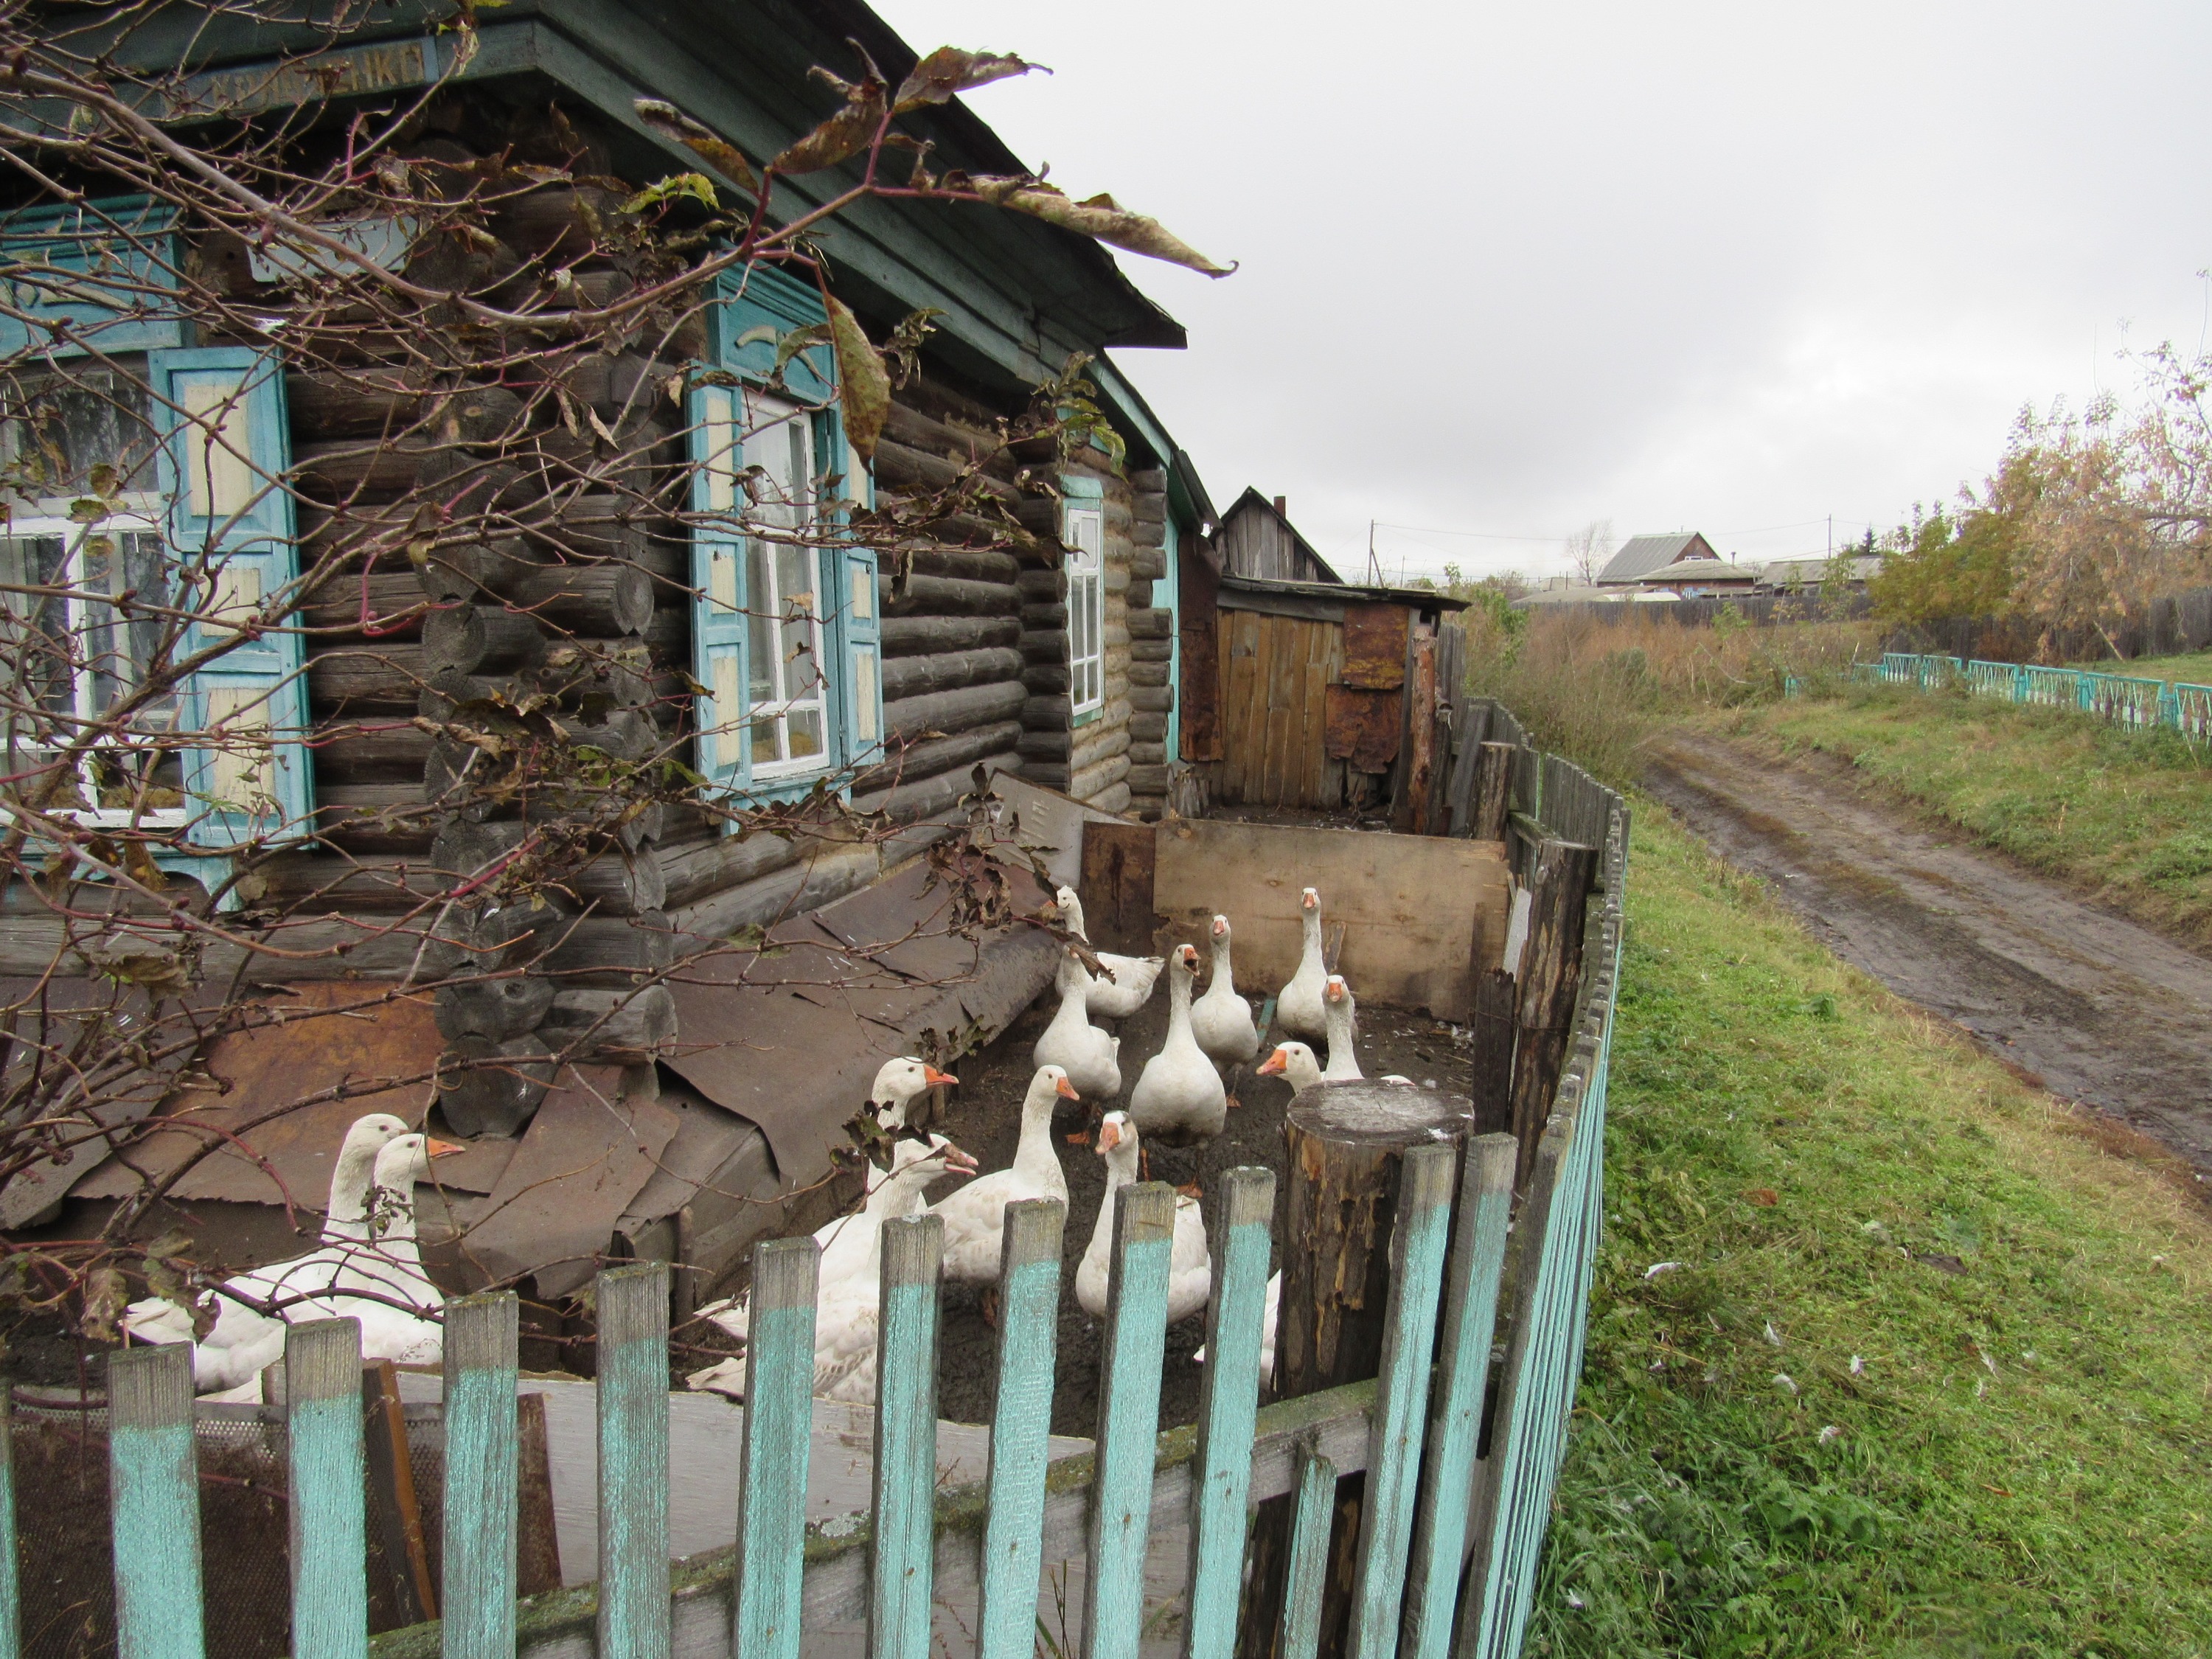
(2100, 1010)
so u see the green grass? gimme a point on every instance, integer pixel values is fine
(2023, 1464)
(2195, 667)
(2124, 815)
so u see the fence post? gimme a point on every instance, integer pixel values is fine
(905, 1535)
(779, 1431)
(1021, 1427)
(1486, 1201)
(1308, 1572)
(476, 1601)
(632, 1305)
(330, 1490)
(1401, 1398)
(153, 1491)
(1551, 972)
(1229, 1407)
(1132, 1351)
(11, 1587)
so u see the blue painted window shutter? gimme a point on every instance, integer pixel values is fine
(224, 448)
(752, 312)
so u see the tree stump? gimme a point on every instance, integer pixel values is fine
(1346, 1143)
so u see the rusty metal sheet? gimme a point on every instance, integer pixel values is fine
(707, 1138)
(791, 1040)
(1362, 727)
(588, 1151)
(1116, 886)
(1374, 647)
(315, 1038)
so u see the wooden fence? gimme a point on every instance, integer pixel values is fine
(1460, 1449)
(2123, 699)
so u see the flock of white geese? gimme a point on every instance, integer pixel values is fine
(368, 1266)
(1180, 1097)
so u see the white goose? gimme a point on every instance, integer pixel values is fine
(898, 1083)
(975, 1216)
(1190, 1265)
(1267, 1321)
(845, 1242)
(357, 1277)
(242, 1340)
(1180, 1097)
(1092, 1058)
(1295, 1063)
(1337, 1009)
(1221, 1020)
(1297, 1006)
(847, 1298)
(1134, 977)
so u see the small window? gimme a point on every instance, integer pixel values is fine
(786, 702)
(1086, 537)
(79, 624)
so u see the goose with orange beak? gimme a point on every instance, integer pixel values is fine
(1190, 1264)
(975, 1216)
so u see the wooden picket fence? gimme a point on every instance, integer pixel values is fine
(1459, 1451)
(2123, 699)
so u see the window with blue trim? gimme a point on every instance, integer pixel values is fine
(786, 641)
(148, 519)
(1083, 531)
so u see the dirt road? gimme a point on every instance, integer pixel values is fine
(2102, 1009)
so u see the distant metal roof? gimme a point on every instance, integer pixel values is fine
(1645, 554)
(1697, 570)
(1419, 598)
(1853, 566)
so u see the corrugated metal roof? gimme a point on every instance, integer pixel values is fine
(1644, 554)
(1696, 570)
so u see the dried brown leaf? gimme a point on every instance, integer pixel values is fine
(949, 71)
(844, 133)
(703, 142)
(1100, 217)
(864, 386)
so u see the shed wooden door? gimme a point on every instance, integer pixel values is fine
(1275, 676)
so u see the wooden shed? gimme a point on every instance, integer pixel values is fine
(600, 606)
(1320, 697)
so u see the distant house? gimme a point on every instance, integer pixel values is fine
(1812, 575)
(1256, 539)
(1699, 579)
(1645, 554)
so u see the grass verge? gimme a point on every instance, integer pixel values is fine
(1993, 1439)
(2125, 816)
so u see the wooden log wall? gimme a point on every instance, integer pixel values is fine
(1151, 644)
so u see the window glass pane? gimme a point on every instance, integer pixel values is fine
(38, 648)
(54, 430)
(119, 650)
(806, 728)
(760, 623)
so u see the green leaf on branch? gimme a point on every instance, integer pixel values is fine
(676, 186)
(864, 386)
(842, 134)
(703, 142)
(1100, 217)
(949, 71)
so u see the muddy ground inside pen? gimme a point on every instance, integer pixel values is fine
(983, 1116)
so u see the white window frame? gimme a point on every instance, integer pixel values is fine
(141, 518)
(1084, 531)
(767, 419)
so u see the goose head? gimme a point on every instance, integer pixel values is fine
(1310, 900)
(899, 1081)
(1338, 991)
(1049, 1084)
(1295, 1063)
(356, 1162)
(405, 1160)
(942, 1158)
(1116, 1141)
(1070, 910)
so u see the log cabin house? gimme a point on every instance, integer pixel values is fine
(688, 1113)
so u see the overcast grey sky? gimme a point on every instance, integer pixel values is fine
(1732, 267)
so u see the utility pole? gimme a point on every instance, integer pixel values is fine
(1832, 535)
(1374, 565)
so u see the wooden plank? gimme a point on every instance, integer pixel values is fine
(392, 1489)
(1308, 1574)
(1021, 1415)
(1241, 637)
(1229, 1409)
(779, 1420)
(913, 1250)
(329, 1489)
(1116, 886)
(1455, 1414)
(1418, 1245)
(154, 1500)
(1284, 683)
(1363, 728)
(633, 1441)
(1198, 616)
(1551, 973)
(11, 1583)
(1132, 1350)
(1413, 905)
(477, 1597)
(1375, 646)
(1313, 718)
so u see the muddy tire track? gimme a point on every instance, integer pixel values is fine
(2101, 1008)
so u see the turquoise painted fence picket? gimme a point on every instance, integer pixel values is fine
(1460, 1447)
(2123, 699)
